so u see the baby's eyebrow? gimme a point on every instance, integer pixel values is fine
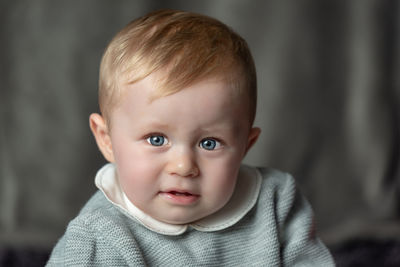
(158, 125)
(221, 128)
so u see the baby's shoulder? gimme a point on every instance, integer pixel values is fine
(278, 189)
(98, 235)
(275, 180)
(97, 202)
(97, 213)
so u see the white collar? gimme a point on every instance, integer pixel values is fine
(243, 199)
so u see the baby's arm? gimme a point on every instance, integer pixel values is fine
(299, 244)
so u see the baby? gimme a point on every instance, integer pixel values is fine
(177, 95)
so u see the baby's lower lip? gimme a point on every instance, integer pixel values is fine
(180, 198)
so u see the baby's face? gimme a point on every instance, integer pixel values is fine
(178, 156)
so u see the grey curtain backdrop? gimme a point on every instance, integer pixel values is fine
(328, 74)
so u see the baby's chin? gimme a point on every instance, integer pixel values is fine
(181, 219)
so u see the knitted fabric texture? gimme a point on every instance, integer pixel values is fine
(278, 231)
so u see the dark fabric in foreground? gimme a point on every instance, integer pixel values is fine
(356, 253)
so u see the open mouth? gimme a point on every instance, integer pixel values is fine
(179, 197)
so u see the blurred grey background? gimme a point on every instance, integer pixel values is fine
(328, 106)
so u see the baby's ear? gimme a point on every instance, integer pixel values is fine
(253, 136)
(101, 134)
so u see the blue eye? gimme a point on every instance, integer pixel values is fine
(157, 140)
(209, 144)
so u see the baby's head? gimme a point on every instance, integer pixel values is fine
(186, 47)
(177, 94)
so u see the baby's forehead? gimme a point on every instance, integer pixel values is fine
(214, 97)
(207, 101)
(159, 85)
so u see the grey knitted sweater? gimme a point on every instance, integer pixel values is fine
(277, 231)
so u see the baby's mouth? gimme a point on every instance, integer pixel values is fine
(176, 193)
(179, 197)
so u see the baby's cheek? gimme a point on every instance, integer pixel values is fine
(136, 185)
(141, 174)
(221, 176)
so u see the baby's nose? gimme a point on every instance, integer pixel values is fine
(183, 164)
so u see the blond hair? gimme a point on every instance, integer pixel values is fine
(187, 47)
